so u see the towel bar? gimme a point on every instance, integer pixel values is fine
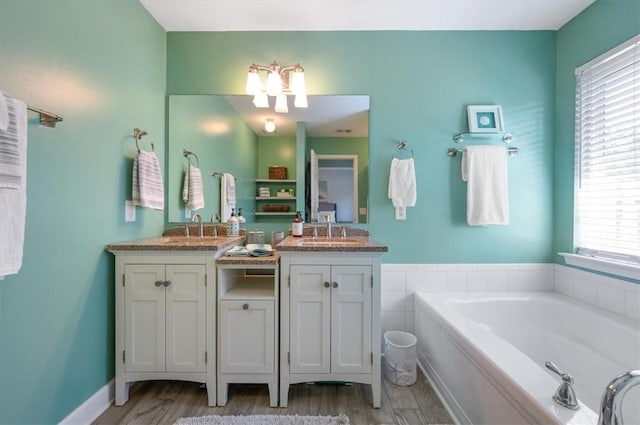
(453, 152)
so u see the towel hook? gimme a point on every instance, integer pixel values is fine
(186, 154)
(137, 134)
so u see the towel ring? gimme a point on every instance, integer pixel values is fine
(186, 154)
(137, 134)
(401, 146)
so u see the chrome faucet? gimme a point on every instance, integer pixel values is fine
(565, 395)
(199, 218)
(215, 218)
(328, 219)
(611, 404)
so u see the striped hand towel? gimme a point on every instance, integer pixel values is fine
(147, 189)
(192, 193)
(11, 170)
(13, 202)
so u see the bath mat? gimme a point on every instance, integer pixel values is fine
(265, 420)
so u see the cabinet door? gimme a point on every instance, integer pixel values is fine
(144, 318)
(247, 336)
(351, 319)
(185, 318)
(309, 322)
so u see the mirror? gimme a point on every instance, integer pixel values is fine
(227, 135)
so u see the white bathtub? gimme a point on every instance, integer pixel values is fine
(485, 354)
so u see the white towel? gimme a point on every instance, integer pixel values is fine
(192, 193)
(402, 185)
(11, 170)
(147, 189)
(13, 202)
(227, 196)
(484, 168)
(4, 112)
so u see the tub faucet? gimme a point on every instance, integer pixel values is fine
(199, 218)
(611, 404)
(565, 395)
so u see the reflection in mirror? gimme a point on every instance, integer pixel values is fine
(228, 135)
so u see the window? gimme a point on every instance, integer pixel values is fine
(607, 167)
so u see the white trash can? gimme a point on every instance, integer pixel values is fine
(400, 357)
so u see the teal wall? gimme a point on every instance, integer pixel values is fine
(101, 65)
(223, 142)
(419, 84)
(599, 28)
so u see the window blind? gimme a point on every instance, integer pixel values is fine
(607, 192)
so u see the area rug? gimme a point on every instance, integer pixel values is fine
(265, 419)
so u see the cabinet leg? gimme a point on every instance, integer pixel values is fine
(284, 394)
(223, 388)
(375, 391)
(122, 392)
(273, 394)
(211, 394)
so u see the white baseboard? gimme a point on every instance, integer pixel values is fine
(93, 407)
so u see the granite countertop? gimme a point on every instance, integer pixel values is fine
(323, 244)
(178, 243)
(271, 259)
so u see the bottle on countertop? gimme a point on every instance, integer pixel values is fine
(241, 218)
(297, 226)
(233, 224)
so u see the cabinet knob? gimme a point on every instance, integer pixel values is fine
(158, 283)
(245, 306)
(335, 284)
(327, 284)
(167, 283)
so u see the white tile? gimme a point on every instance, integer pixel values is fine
(394, 301)
(477, 281)
(498, 280)
(410, 320)
(393, 321)
(633, 304)
(466, 267)
(520, 280)
(562, 282)
(436, 281)
(456, 281)
(585, 290)
(611, 298)
(394, 281)
(417, 281)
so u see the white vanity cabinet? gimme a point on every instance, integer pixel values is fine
(248, 323)
(165, 311)
(329, 316)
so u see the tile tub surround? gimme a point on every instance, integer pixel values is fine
(400, 281)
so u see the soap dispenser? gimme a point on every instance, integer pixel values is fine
(233, 224)
(297, 227)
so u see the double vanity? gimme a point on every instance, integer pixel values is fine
(308, 313)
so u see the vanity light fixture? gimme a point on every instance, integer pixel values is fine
(269, 125)
(281, 81)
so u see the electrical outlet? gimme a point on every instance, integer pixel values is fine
(187, 213)
(129, 211)
(362, 210)
(401, 213)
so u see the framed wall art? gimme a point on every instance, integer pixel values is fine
(485, 118)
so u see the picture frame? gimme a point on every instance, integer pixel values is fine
(485, 119)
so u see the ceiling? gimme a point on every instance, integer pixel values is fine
(326, 116)
(362, 15)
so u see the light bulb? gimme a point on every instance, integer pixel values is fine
(269, 125)
(281, 104)
(261, 100)
(254, 85)
(274, 83)
(300, 101)
(297, 82)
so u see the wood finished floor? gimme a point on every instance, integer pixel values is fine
(163, 402)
